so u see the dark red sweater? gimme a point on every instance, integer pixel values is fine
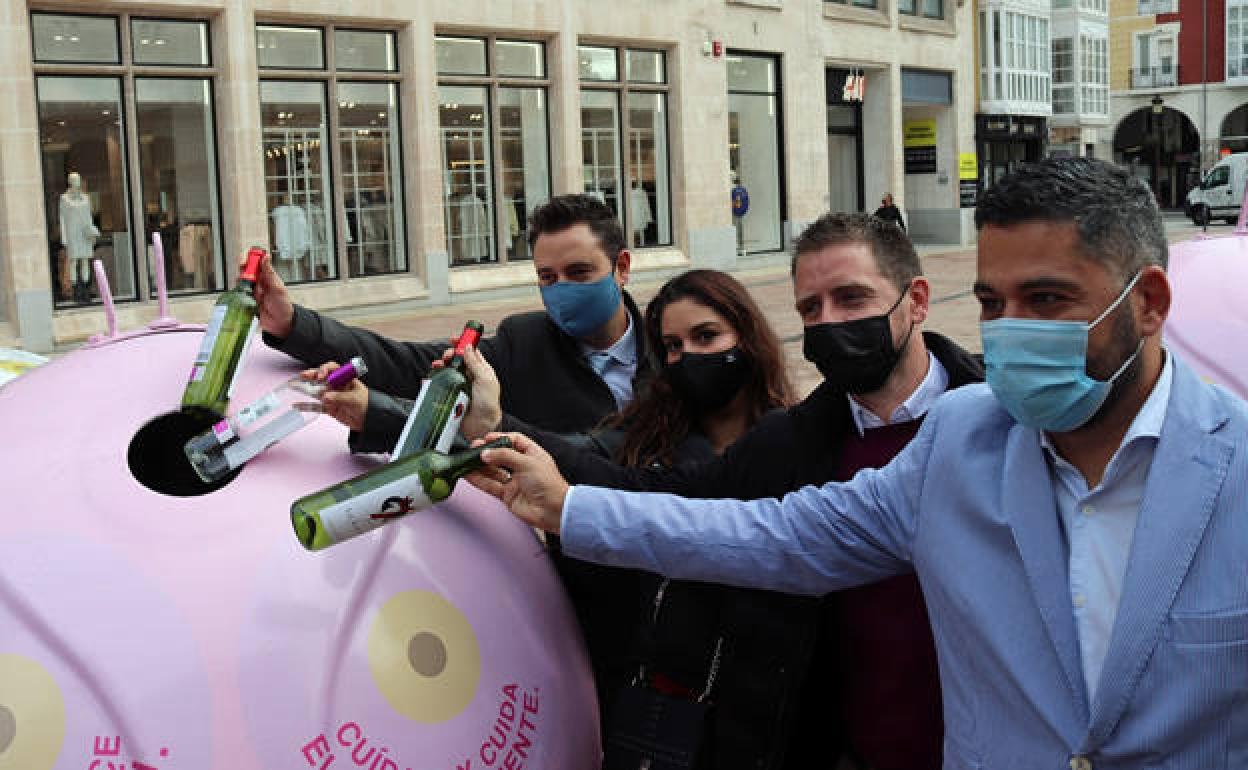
(890, 698)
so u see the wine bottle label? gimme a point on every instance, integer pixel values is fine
(242, 357)
(257, 409)
(370, 510)
(210, 339)
(453, 421)
(266, 436)
(449, 431)
(407, 426)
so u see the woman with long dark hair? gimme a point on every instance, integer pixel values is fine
(721, 368)
(687, 669)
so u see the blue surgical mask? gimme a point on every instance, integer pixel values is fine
(580, 309)
(1038, 370)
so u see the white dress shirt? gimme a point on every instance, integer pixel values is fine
(1099, 525)
(931, 388)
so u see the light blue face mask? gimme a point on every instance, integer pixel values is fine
(1038, 370)
(580, 309)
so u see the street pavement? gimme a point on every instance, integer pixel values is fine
(949, 269)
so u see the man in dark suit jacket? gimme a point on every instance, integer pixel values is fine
(563, 370)
(865, 655)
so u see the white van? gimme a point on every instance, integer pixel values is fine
(1221, 192)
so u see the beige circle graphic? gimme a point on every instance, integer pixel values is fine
(32, 715)
(424, 656)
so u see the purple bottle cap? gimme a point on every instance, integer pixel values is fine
(342, 376)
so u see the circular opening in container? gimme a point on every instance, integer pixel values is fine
(158, 462)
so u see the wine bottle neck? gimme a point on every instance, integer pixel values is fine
(464, 462)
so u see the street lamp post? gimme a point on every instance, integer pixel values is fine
(1158, 110)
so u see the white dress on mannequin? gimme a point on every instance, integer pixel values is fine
(474, 228)
(78, 232)
(639, 210)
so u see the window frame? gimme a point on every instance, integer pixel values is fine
(127, 72)
(121, 34)
(494, 82)
(622, 87)
(918, 9)
(330, 76)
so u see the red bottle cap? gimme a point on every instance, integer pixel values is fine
(470, 336)
(252, 265)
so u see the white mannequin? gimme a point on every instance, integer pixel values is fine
(639, 209)
(78, 234)
(291, 237)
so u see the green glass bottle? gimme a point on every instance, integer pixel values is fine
(439, 409)
(229, 331)
(366, 502)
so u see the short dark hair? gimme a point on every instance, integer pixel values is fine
(563, 211)
(1114, 213)
(894, 253)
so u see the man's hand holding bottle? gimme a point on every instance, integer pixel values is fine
(273, 306)
(485, 410)
(525, 478)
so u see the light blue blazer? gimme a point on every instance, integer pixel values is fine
(970, 506)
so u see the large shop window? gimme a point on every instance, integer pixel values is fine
(754, 148)
(624, 152)
(494, 124)
(128, 143)
(329, 107)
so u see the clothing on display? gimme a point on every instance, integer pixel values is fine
(290, 232)
(78, 231)
(639, 209)
(472, 229)
(195, 252)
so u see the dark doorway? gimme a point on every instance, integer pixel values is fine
(1162, 148)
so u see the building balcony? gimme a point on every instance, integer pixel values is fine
(1154, 77)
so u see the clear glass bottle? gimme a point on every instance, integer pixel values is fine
(234, 440)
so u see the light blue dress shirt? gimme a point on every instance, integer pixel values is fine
(617, 365)
(1099, 525)
(931, 388)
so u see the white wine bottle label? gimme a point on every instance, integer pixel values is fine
(257, 409)
(407, 426)
(266, 436)
(370, 510)
(210, 339)
(451, 429)
(242, 357)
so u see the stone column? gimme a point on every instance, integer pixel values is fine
(25, 272)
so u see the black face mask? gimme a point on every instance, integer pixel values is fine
(708, 381)
(855, 356)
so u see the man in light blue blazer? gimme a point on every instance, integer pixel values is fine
(1079, 524)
